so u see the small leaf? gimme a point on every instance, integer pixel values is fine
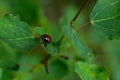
(105, 18)
(55, 33)
(91, 72)
(40, 30)
(76, 41)
(16, 33)
(53, 49)
(56, 36)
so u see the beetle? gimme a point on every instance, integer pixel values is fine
(46, 39)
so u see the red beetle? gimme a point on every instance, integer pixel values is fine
(46, 39)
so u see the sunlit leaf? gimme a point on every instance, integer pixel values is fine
(16, 33)
(105, 18)
(91, 72)
(40, 30)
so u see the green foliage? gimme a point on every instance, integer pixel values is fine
(76, 41)
(40, 30)
(105, 18)
(91, 72)
(54, 47)
(72, 54)
(16, 33)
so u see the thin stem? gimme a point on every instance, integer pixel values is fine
(78, 13)
(84, 25)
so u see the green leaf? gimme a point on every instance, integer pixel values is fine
(16, 33)
(91, 72)
(53, 49)
(76, 41)
(56, 36)
(40, 30)
(8, 59)
(105, 18)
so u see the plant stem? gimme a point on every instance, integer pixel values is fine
(78, 13)
(84, 25)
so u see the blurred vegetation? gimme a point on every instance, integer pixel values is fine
(66, 51)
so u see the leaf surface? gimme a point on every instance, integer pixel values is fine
(16, 33)
(105, 18)
(76, 41)
(91, 72)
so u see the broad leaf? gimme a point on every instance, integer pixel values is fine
(8, 58)
(91, 72)
(76, 41)
(53, 48)
(40, 30)
(105, 18)
(56, 35)
(16, 33)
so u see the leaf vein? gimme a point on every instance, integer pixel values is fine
(22, 38)
(105, 19)
(103, 9)
(107, 28)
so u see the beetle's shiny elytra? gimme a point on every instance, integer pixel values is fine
(46, 39)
